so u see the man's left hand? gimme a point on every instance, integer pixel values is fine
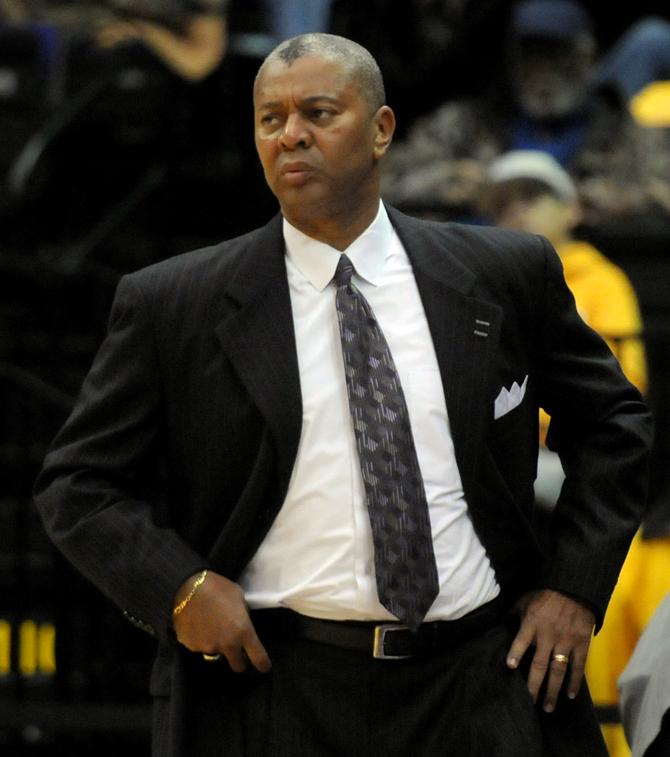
(559, 628)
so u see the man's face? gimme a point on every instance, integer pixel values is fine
(318, 140)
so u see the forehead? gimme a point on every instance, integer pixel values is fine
(311, 76)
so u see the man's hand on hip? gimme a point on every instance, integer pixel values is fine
(216, 621)
(559, 628)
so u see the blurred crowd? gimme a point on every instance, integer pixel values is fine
(125, 137)
(160, 82)
(553, 93)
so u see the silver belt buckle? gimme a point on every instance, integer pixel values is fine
(380, 637)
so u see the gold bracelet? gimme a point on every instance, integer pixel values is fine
(199, 581)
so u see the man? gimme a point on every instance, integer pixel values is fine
(211, 475)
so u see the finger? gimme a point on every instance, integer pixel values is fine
(576, 676)
(519, 646)
(257, 653)
(538, 672)
(556, 675)
(237, 659)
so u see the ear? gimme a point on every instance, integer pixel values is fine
(384, 124)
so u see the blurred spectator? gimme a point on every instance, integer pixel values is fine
(640, 56)
(528, 190)
(637, 70)
(546, 101)
(188, 36)
(645, 689)
(651, 110)
(189, 39)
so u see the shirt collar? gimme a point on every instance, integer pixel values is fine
(317, 261)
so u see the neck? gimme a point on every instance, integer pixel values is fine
(336, 230)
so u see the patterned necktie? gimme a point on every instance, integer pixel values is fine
(407, 581)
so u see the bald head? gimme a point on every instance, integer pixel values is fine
(354, 58)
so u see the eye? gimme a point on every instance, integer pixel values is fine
(320, 114)
(269, 120)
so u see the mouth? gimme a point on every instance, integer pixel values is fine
(296, 172)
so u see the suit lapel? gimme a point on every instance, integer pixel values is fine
(259, 340)
(465, 332)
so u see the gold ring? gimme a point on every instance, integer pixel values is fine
(211, 657)
(562, 658)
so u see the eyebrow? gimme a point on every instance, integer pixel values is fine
(311, 100)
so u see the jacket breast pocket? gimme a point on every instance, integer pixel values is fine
(513, 441)
(510, 422)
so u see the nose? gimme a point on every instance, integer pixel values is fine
(295, 133)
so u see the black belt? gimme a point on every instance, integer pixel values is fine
(384, 641)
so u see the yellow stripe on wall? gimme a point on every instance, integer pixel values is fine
(46, 650)
(28, 648)
(5, 648)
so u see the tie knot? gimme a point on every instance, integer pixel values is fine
(344, 271)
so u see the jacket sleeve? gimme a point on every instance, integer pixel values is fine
(97, 494)
(601, 430)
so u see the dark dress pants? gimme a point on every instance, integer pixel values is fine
(324, 701)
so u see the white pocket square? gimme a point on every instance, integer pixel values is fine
(510, 398)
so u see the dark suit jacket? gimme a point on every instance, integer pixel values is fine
(180, 449)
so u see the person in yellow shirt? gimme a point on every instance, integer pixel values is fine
(528, 190)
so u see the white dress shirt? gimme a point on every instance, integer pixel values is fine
(317, 558)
